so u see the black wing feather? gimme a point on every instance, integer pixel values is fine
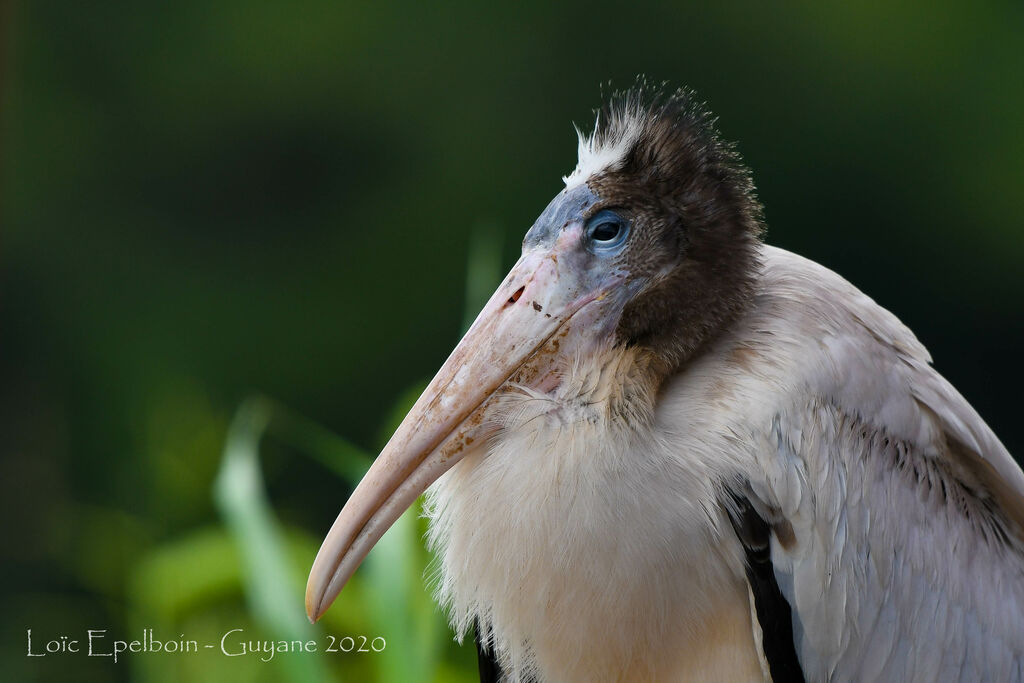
(773, 612)
(490, 670)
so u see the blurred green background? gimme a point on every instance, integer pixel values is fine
(232, 231)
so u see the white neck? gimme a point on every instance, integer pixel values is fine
(580, 543)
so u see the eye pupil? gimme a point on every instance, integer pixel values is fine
(606, 232)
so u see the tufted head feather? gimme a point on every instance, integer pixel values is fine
(658, 158)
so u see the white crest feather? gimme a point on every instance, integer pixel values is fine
(604, 150)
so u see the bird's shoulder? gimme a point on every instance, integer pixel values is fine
(814, 354)
(895, 507)
(847, 355)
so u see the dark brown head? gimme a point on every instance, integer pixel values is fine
(694, 223)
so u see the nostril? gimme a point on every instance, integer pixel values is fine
(515, 297)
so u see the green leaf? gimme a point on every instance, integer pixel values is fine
(274, 593)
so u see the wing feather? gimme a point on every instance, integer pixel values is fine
(907, 558)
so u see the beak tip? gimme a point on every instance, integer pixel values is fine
(313, 606)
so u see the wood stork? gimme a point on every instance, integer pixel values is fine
(686, 455)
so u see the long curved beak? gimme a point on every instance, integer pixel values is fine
(514, 338)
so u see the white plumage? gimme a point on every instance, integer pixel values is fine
(589, 528)
(825, 403)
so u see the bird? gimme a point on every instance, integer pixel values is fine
(667, 451)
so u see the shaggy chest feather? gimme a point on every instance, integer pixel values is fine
(577, 546)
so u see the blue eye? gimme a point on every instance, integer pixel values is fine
(606, 232)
